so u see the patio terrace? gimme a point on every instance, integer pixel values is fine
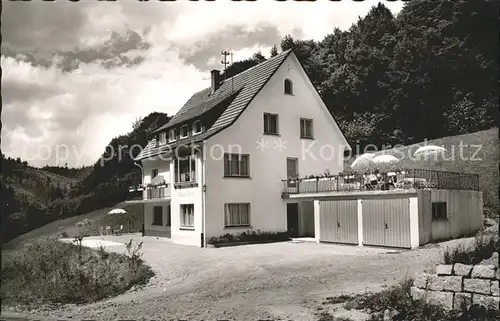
(396, 180)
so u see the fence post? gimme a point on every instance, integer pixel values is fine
(317, 183)
(298, 182)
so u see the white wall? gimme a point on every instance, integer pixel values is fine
(156, 230)
(465, 213)
(267, 169)
(191, 195)
(163, 167)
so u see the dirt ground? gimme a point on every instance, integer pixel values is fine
(286, 281)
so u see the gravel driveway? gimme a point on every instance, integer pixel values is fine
(253, 282)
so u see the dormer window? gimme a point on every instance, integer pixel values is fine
(197, 127)
(288, 87)
(171, 136)
(184, 131)
(162, 140)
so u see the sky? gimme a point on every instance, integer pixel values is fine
(77, 74)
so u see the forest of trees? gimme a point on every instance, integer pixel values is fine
(431, 71)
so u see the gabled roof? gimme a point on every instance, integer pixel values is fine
(239, 89)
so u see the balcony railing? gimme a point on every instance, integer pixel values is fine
(405, 179)
(150, 193)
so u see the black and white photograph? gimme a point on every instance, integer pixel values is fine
(294, 160)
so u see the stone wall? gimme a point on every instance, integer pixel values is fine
(457, 286)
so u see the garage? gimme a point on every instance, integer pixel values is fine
(386, 222)
(339, 221)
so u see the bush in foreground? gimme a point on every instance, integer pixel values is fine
(483, 248)
(250, 237)
(49, 271)
(396, 303)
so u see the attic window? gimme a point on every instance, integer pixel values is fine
(163, 138)
(184, 131)
(171, 136)
(288, 87)
(197, 127)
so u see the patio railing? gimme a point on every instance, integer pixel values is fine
(150, 193)
(405, 179)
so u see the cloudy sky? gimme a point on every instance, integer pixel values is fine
(76, 75)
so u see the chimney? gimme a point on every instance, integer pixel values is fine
(215, 76)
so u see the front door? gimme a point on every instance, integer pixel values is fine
(292, 170)
(292, 219)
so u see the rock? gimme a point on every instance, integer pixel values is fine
(421, 280)
(493, 260)
(435, 283)
(452, 283)
(443, 299)
(483, 271)
(444, 269)
(462, 301)
(417, 294)
(462, 269)
(486, 301)
(428, 281)
(487, 222)
(477, 286)
(389, 314)
(495, 288)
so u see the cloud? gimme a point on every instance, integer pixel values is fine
(111, 54)
(202, 53)
(40, 28)
(83, 109)
(76, 75)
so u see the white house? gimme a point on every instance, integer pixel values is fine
(218, 165)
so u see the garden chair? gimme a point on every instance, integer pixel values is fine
(119, 230)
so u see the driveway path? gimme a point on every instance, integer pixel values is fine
(254, 282)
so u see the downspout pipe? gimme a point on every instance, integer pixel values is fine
(143, 206)
(203, 192)
(142, 172)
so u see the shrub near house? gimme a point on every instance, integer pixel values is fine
(248, 237)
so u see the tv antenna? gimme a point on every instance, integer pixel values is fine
(224, 59)
(225, 62)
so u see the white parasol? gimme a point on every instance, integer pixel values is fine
(117, 211)
(385, 159)
(362, 162)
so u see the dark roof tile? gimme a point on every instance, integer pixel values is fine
(245, 85)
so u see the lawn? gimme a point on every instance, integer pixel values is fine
(98, 217)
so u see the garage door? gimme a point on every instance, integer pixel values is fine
(339, 221)
(387, 222)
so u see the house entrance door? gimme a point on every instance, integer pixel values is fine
(292, 219)
(292, 170)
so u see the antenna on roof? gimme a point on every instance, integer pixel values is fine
(232, 78)
(225, 62)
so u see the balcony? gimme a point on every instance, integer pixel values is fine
(398, 180)
(140, 194)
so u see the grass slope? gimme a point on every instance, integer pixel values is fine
(98, 217)
(480, 155)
